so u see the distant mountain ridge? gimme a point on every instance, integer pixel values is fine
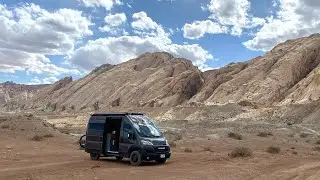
(288, 74)
(10, 92)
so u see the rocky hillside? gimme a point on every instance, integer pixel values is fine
(288, 74)
(10, 92)
(156, 79)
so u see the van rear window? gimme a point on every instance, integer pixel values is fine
(96, 126)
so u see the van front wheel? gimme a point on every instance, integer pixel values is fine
(94, 156)
(135, 158)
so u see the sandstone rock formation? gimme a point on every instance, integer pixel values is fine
(288, 74)
(12, 93)
(153, 79)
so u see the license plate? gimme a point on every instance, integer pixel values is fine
(162, 156)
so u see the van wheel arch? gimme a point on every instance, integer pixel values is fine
(133, 148)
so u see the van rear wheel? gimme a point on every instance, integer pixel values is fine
(94, 156)
(135, 158)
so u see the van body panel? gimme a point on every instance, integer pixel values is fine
(98, 137)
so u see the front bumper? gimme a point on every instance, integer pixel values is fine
(150, 153)
(155, 156)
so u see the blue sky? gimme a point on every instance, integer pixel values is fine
(44, 41)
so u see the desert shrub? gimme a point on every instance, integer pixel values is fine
(63, 108)
(293, 148)
(172, 144)
(83, 107)
(294, 152)
(273, 150)
(207, 148)
(5, 126)
(264, 134)
(72, 107)
(318, 141)
(173, 136)
(96, 106)
(235, 136)
(247, 103)
(241, 152)
(304, 135)
(37, 138)
(48, 135)
(291, 135)
(188, 150)
(316, 148)
(29, 115)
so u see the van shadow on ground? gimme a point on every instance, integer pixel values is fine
(127, 162)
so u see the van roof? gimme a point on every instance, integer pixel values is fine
(116, 114)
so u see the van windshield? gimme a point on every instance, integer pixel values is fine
(145, 126)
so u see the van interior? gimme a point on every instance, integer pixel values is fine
(112, 134)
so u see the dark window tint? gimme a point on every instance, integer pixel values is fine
(127, 132)
(96, 126)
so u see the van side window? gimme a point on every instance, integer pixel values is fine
(96, 126)
(128, 132)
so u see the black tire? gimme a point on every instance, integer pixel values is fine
(119, 158)
(135, 158)
(161, 161)
(82, 142)
(94, 156)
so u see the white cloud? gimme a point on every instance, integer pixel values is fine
(142, 22)
(152, 37)
(4, 11)
(225, 15)
(234, 13)
(29, 33)
(114, 50)
(115, 20)
(114, 23)
(107, 4)
(197, 29)
(49, 80)
(294, 19)
(274, 3)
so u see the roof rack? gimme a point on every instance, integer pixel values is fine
(116, 114)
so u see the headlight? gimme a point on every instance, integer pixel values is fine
(144, 142)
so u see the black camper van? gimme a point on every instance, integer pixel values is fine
(125, 135)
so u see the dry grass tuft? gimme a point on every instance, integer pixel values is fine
(48, 135)
(304, 135)
(188, 150)
(273, 150)
(317, 148)
(235, 135)
(265, 134)
(37, 138)
(5, 126)
(172, 144)
(208, 149)
(294, 152)
(241, 152)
